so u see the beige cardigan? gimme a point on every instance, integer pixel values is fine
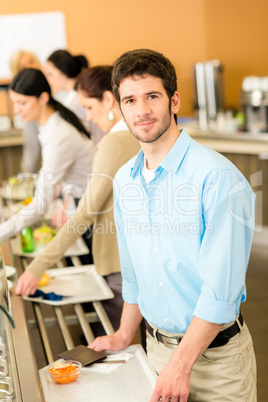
(95, 207)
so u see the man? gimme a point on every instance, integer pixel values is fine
(184, 217)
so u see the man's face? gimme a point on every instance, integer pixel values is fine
(145, 107)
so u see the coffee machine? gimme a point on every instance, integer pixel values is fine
(254, 102)
(208, 91)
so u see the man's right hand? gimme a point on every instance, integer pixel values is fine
(27, 284)
(109, 342)
(130, 321)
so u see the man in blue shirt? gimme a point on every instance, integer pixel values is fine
(185, 223)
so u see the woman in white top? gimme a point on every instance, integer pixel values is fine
(61, 70)
(67, 150)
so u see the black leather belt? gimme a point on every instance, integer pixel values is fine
(221, 339)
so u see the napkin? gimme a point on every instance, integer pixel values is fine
(47, 296)
(108, 368)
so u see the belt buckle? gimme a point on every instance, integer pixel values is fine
(168, 341)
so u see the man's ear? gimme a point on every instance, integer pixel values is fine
(44, 98)
(175, 103)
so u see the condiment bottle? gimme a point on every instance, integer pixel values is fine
(27, 240)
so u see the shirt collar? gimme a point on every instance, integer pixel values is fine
(171, 162)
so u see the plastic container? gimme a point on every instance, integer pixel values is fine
(64, 371)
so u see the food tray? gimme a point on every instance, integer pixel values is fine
(78, 248)
(133, 381)
(80, 284)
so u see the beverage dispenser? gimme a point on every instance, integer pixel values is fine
(208, 88)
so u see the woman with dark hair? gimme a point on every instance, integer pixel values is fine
(31, 151)
(96, 206)
(61, 70)
(67, 150)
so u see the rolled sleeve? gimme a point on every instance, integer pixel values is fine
(215, 311)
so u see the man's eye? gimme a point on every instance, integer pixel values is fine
(153, 97)
(129, 101)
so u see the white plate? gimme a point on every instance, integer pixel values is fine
(10, 270)
(9, 283)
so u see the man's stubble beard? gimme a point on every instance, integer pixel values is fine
(162, 130)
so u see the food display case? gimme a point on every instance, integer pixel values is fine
(19, 378)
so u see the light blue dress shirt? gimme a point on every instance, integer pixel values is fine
(185, 238)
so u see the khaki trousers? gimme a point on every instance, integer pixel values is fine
(222, 374)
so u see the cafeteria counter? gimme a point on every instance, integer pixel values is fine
(133, 380)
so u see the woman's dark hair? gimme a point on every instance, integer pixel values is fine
(68, 64)
(95, 81)
(142, 62)
(32, 82)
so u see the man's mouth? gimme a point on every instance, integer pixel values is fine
(145, 124)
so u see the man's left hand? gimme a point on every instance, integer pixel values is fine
(172, 385)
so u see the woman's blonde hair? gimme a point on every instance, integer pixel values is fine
(15, 60)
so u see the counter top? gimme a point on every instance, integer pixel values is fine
(133, 381)
(11, 138)
(231, 142)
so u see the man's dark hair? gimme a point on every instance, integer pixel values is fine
(142, 62)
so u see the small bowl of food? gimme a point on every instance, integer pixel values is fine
(64, 371)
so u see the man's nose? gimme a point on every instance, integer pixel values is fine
(143, 108)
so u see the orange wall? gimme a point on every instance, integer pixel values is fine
(185, 31)
(237, 34)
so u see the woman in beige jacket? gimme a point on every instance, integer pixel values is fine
(96, 205)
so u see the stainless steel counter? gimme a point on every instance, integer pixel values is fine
(28, 385)
(19, 373)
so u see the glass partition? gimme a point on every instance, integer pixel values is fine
(5, 303)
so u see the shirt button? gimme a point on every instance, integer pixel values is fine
(165, 319)
(161, 284)
(155, 250)
(152, 216)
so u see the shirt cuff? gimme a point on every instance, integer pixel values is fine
(130, 292)
(215, 311)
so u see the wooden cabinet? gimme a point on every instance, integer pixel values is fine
(10, 153)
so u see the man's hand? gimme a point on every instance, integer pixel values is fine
(27, 284)
(109, 342)
(130, 320)
(172, 385)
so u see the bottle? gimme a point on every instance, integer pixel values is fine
(27, 240)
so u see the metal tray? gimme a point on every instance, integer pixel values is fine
(78, 248)
(79, 284)
(133, 381)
